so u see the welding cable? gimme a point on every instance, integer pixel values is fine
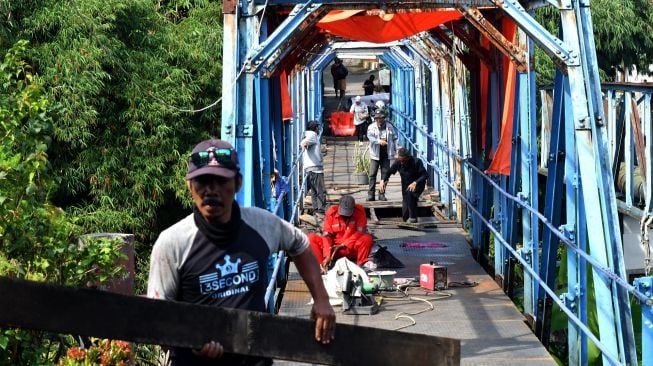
(432, 294)
(398, 316)
(405, 315)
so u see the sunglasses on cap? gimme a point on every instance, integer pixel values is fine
(221, 155)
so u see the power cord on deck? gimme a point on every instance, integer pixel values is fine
(403, 292)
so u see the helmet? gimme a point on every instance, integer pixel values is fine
(380, 105)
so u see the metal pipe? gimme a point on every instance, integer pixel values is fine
(613, 276)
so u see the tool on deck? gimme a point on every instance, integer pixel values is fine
(433, 277)
(357, 295)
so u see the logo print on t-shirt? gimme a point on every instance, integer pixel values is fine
(229, 278)
(228, 267)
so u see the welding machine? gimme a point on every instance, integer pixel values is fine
(433, 277)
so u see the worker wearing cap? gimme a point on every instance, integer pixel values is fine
(313, 166)
(218, 255)
(383, 145)
(359, 109)
(344, 234)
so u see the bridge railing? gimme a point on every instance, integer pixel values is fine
(567, 307)
(279, 259)
(627, 108)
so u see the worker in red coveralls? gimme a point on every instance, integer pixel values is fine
(344, 234)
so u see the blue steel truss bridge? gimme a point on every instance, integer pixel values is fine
(552, 184)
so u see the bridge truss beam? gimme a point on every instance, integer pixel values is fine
(463, 97)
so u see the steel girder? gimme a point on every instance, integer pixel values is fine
(590, 198)
(615, 323)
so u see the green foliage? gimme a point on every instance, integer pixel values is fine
(559, 320)
(361, 159)
(92, 136)
(623, 34)
(119, 70)
(38, 241)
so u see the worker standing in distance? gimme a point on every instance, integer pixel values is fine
(360, 111)
(383, 143)
(218, 255)
(313, 166)
(368, 85)
(413, 181)
(339, 73)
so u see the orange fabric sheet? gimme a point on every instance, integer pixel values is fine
(501, 160)
(286, 104)
(483, 84)
(386, 28)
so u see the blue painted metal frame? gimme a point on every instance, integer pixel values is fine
(590, 193)
(645, 285)
(275, 47)
(552, 209)
(529, 184)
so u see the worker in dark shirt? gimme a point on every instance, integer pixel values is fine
(413, 180)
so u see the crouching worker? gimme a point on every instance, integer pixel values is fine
(344, 234)
(413, 181)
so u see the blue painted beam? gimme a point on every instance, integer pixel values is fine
(562, 53)
(645, 285)
(552, 210)
(620, 298)
(264, 134)
(271, 49)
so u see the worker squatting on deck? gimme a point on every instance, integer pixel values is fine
(344, 234)
(413, 181)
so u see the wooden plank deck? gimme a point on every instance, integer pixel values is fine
(491, 329)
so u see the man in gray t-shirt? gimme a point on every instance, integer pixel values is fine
(218, 255)
(312, 160)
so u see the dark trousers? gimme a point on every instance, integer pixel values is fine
(315, 187)
(361, 131)
(409, 201)
(374, 168)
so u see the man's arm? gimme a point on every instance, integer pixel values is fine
(322, 312)
(310, 138)
(422, 175)
(163, 277)
(372, 136)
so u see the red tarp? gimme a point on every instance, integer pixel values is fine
(383, 28)
(286, 104)
(342, 124)
(501, 160)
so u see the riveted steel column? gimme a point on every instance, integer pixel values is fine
(436, 125)
(240, 35)
(552, 209)
(513, 184)
(462, 130)
(447, 133)
(645, 285)
(264, 138)
(529, 191)
(604, 238)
